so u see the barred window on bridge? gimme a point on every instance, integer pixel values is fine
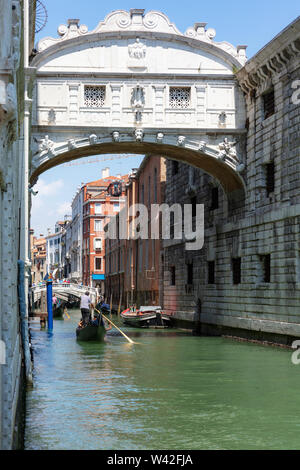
(94, 96)
(180, 97)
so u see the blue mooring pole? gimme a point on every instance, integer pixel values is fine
(49, 304)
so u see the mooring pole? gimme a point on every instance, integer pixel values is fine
(49, 304)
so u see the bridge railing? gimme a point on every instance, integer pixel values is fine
(66, 287)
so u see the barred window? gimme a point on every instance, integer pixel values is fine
(270, 177)
(214, 198)
(179, 98)
(268, 103)
(266, 267)
(236, 270)
(94, 96)
(173, 275)
(211, 272)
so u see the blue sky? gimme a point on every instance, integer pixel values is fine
(253, 23)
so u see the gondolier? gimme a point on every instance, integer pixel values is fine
(85, 304)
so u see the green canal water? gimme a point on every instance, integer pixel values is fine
(171, 391)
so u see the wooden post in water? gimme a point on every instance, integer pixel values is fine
(43, 307)
(111, 297)
(120, 302)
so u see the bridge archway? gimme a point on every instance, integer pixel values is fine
(136, 84)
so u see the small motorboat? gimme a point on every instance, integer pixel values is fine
(93, 331)
(146, 316)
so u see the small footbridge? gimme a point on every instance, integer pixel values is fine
(64, 291)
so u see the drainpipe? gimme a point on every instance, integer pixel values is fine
(25, 266)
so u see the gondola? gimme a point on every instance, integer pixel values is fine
(91, 332)
(94, 331)
(145, 317)
(58, 310)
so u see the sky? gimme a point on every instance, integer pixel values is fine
(253, 23)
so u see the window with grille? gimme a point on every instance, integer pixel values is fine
(179, 98)
(270, 177)
(94, 96)
(98, 263)
(98, 225)
(214, 198)
(266, 267)
(175, 167)
(173, 276)
(98, 243)
(236, 270)
(211, 272)
(268, 103)
(190, 274)
(98, 208)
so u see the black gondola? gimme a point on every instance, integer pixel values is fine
(93, 331)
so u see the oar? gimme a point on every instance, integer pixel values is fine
(107, 319)
(66, 313)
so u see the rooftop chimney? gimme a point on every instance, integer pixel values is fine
(105, 172)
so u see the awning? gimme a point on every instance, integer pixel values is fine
(97, 277)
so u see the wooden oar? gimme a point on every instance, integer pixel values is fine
(107, 319)
(66, 313)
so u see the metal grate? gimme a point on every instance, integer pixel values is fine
(179, 98)
(270, 177)
(94, 96)
(269, 103)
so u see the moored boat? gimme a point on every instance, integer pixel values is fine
(146, 316)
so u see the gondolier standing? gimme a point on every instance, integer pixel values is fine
(85, 304)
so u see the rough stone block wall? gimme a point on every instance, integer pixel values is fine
(11, 372)
(269, 225)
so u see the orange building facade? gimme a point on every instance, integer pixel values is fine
(102, 199)
(133, 267)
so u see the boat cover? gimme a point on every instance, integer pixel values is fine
(149, 308)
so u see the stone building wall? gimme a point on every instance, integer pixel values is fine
(12, 107)
(268, 225)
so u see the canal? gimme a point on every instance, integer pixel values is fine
(171, 391)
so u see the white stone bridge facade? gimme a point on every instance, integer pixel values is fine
(137, 84)
(63, 291)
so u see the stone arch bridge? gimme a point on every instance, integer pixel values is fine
(137, 84)
(63, 291)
